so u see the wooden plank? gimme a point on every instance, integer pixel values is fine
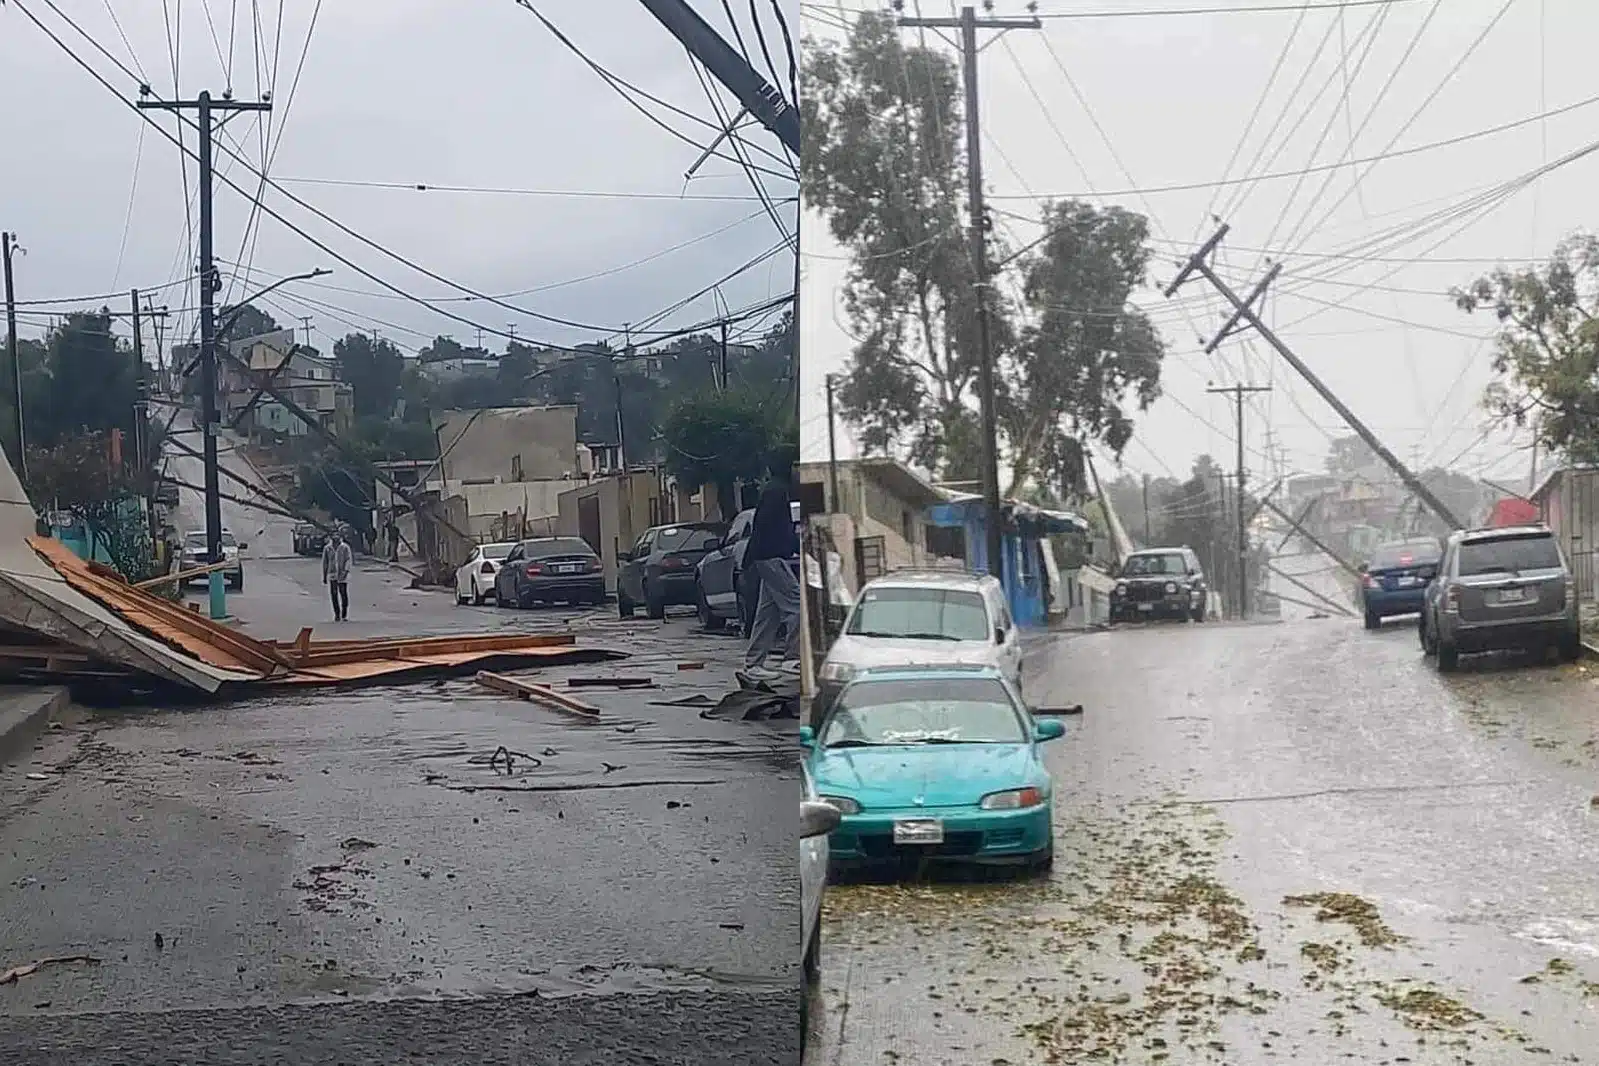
(181, 575)
(527, 690)
(610, 682)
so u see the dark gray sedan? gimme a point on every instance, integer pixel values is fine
(550, 570)
(659, 571)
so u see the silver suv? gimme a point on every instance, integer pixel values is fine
(1499, 589)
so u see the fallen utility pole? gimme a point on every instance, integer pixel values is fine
(8, 244)
(1295, 524)
(1238, 392)
(210, 284)
(758, 96)
(1244, 311)
(1307, 590)
(968, 23)
(1308, 535)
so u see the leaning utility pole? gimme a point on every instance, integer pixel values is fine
(1149, 538)
(723, 360)
(968, 23)
(832, 453)
(754, 92)
(210, 284)
(7, 244)
(1238, 392)
(1244, 309)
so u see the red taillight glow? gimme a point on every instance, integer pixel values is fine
(1372, 582)
(535, 568)
(595, 566)
(672, 563)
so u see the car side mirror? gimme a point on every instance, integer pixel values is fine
(999, 634)
(1049, 729)
(818, 819)
(624, 557)
(807, 737)
(243, 545)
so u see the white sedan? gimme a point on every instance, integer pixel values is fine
(474, 581)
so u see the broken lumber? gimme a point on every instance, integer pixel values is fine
(527, 690)
(610, 682)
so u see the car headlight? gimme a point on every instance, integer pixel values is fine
(1119, 590)
(1171, 587)
(832, 671)
(844, 804)
(1015, 799)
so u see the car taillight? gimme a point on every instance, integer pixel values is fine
(672, 562)
(535, 569)
(1452, 599)
(1372, 582)
(595, 566)
(488, 568)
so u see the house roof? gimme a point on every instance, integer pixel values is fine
(900, 480)
(1552, 478)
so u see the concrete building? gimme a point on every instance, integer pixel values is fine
(508, 444)
(612, 512)
(880, 520)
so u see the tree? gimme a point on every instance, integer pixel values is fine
(883, 162)
(1349, 455)
(1089, 349)
(1546, 356)
(245, 320)
(374, 370)
(717, 440)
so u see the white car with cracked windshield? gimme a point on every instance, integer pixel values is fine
(474, 580)
(923, 618)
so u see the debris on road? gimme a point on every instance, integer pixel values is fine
(610, 682)
(1359, 914)
(16, 973)
(528, 690)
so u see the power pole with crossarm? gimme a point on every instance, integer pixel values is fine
(205, 109)
(1238, 392)
(968, 23)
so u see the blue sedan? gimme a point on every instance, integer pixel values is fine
(1395, 581)
(934, 763)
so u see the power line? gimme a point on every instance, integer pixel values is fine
(594, 194)
(1236, 9)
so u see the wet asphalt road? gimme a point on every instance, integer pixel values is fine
(1276, 843)
(342, 878)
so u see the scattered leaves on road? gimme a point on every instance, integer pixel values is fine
(1359, 914)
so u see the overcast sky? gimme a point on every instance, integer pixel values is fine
(1174, 95)
(403, 91)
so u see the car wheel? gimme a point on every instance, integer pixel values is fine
(236, 584)
(624, 606)
(1448, 657)
(1373, 620)
(654, 605)
(709, 621)
(499, 597)
(1044, 861)
(460, 600)
(1199, 611)
(1571, 647)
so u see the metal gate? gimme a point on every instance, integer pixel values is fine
(870, 557)
(1580, 511)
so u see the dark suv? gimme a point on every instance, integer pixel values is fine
(1498, 590)
(1159, 583)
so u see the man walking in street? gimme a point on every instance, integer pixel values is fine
(773, 543)
(336, 560)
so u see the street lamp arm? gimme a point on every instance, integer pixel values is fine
(238, 309)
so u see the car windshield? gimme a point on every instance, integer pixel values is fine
(544, 549)
(1405, 553)
(940, 710)
(685, 539)
(1163, 564)
(497, 551)
(1509, 555)
(921, 613)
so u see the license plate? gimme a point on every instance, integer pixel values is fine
(568, 568)
(1406, 582)
(1146, 606)
(1513, 596)
(919, 831)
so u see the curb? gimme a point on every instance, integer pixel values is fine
(24, 714)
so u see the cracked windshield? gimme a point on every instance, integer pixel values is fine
(1200, 495)
(400, 565)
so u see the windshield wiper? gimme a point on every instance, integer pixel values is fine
(928, 636)
(852, 744)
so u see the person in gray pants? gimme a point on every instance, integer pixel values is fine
(773, 542)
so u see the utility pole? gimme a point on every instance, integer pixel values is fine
(1238, 392)
(968, 23)
(1244, 310)
(1149, 537)
(8, 242)
(305, 324)
(832, 453)
(205, 109)
(724, 355)
(141, 434)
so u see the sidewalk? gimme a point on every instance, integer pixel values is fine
(24, 714)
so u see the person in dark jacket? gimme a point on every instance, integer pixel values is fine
(773, 543)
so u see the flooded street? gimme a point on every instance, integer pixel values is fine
(372, 860)
(1274, 843)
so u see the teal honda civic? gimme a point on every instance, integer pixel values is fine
(934, 763)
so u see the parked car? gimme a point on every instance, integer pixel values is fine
(937, 617)
(195, 555)
(1394, 580)
(549, 569)
(474, 579)
(1160, 583)
(724, 590)
(934, 763)
(308, 539)
(817, 820)
(1500, 589)
(659, 570)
